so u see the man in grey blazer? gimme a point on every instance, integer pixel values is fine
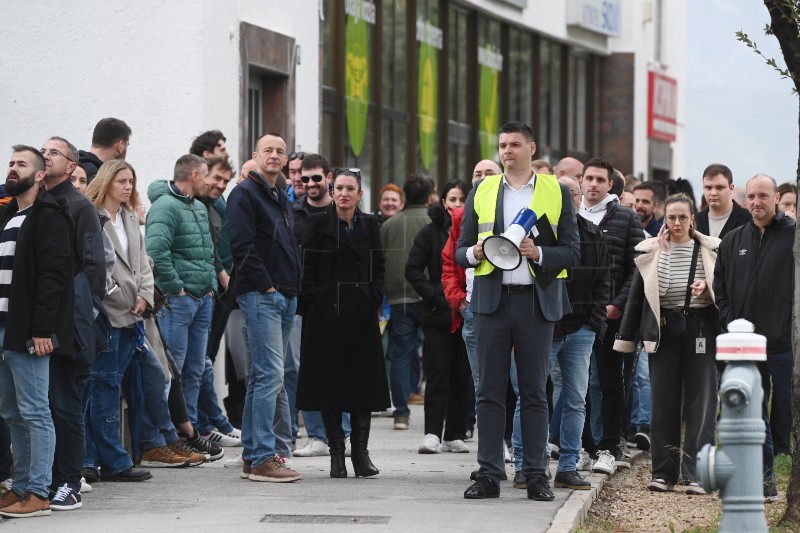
(517, 308)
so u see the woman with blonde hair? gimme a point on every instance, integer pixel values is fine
(128, 294)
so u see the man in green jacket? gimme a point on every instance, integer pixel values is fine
(179, 241)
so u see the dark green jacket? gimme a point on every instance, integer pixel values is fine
(178, 240)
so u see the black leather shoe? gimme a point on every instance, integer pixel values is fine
(571, 480)
(92, 475)
(484, 487)
(473, 476)
(131, 474)
(519, 480)
(539, 490)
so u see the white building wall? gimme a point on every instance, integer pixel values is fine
(171, 70)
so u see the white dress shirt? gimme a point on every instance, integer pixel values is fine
(513, 201)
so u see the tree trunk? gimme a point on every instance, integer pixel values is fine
(785, 25)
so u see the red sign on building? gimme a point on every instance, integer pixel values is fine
(662, 107)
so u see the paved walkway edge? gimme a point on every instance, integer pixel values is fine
(575, 510)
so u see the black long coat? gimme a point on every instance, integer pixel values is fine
(341, 359)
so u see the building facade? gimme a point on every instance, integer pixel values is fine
(391, 87)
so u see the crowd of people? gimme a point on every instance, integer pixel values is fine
(602, 337)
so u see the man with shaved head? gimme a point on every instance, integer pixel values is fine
(753, 279)
(569, 167)
(484, 168)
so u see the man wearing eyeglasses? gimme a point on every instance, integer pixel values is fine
(66, 373)
(296, 187)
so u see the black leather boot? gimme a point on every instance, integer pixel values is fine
(333, 430)
(358, 443)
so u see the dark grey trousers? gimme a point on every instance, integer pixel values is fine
(683, 382)
(519, 323)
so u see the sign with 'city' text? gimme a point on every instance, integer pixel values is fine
(662, 107)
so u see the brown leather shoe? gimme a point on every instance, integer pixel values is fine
(180, 449)
(274, 471)
(246, 469)
(30, 505)
(9, 498)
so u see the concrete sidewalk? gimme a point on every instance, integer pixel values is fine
(412, 493)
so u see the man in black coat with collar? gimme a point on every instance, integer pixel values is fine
(36, 315)
(722, 214)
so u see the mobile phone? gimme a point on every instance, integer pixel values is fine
(32, 348)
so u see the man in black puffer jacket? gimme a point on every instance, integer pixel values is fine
(589, 290)
(622, 231)
(754, 280)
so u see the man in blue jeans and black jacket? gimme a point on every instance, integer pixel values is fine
(266, 259)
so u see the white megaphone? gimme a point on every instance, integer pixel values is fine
(502, 251)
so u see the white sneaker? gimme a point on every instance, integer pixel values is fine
(235, 433)
(454, 446)
(234, 463)
(388, 413)
(347, 450)
(430, 444)
(222, 439)
(85, 487)
(507, 455)
(312, 448)
(584, 461)
(605, 464)
(6, 484)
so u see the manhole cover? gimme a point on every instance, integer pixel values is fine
(323, 519)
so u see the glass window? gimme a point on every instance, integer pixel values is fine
(429, 55)
(577, 109)
(490, 64)
(255, 111)
(520, 46)
(359, 88)
(394, 54)
(459, 132)
(550, 94)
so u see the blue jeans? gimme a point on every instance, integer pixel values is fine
(101, 413)
(468, 334)
(573, 354)
(404, 339)
(268, 322)
(157, 427)
(640, 410)
(291, 368)
(24, 405)
(185, 328)
(209, 413)
(316, 429)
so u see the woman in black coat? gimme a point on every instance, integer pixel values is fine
(341, 359)
(444, 354)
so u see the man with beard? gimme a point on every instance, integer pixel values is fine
(36, 315)
(88, 266)
(648, 201)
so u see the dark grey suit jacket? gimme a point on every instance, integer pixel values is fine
(486, 290)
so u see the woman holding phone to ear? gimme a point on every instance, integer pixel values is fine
(671, 307)
(341, 363)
